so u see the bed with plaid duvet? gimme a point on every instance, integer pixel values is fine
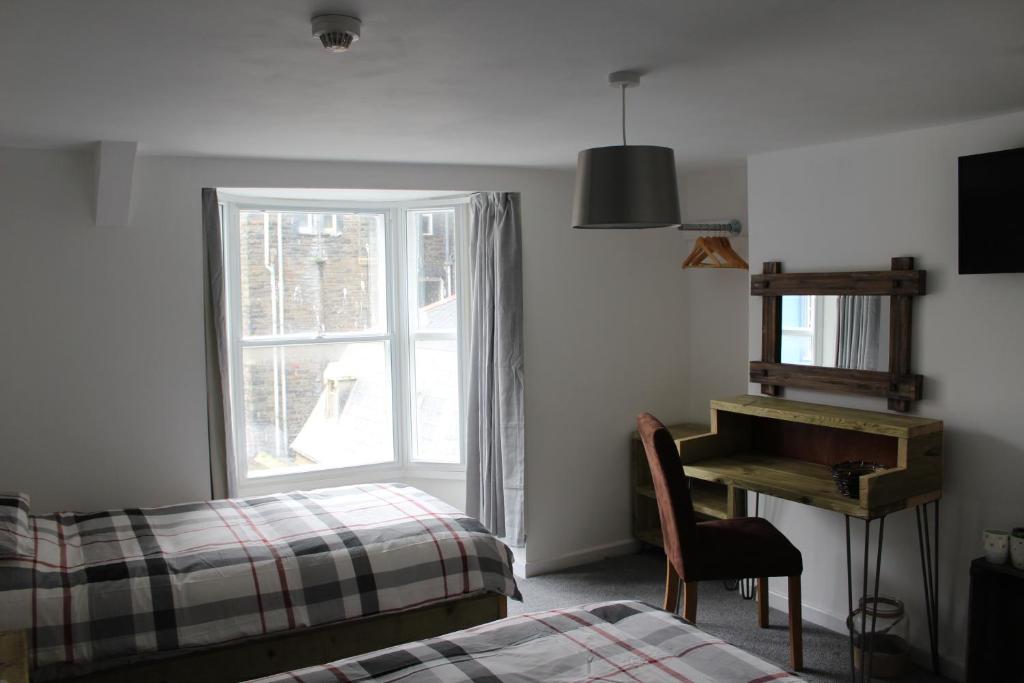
(609, 641)
(137, 581)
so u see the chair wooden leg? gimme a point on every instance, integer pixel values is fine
(796, 628)
(690, 601)
(671, 587)
(762, 602)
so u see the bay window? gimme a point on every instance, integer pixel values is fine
(344, 335)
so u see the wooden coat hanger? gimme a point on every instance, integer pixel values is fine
(697, 254)
(714, 252)
(730, 254)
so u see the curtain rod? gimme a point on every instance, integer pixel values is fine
(731, 226)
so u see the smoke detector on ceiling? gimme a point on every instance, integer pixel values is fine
(336, 32)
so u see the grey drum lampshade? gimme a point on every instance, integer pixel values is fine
(626, 186)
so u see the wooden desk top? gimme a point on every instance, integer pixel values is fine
(872, 422)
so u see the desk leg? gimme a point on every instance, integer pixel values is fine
(865, 656)
(849, 595)
(930, 576)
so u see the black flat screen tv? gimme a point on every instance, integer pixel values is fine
(992, 212)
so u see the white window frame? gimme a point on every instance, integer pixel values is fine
(401, 297)
(816, 331)
(812, 332)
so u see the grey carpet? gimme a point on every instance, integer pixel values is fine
(719, 612)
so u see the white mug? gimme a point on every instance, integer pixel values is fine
(997, 545)
(1017, 548)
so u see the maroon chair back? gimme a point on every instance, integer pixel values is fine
(672, 488)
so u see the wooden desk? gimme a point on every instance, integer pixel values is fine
(786, 448)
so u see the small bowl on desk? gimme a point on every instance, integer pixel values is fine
(847, 475)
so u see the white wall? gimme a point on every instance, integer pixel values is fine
(717, 318)
(620, 323)
(659, 339)
(853, 205)
(103, 400)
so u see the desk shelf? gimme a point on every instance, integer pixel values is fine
(708, 500)
(804, 482)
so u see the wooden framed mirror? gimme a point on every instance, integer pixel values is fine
(828, 331)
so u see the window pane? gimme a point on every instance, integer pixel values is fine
(434, 232)
(258, 309)
(798, 312)
(316, 273)
(797, 349)
(437, 401)
(317, 405)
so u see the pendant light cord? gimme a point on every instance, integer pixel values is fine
(623, 89)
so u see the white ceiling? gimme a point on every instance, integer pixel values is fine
(498, 81)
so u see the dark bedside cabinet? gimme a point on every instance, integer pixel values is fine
(995, 623)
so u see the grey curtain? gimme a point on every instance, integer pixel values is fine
(494, 441)
(218, 399)
(859, 320)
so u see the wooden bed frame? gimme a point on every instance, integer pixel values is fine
(296, 649)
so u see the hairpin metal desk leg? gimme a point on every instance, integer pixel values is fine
(930, 576)
(849, 595)
(867, 645)
(866, 665)
(863, 596)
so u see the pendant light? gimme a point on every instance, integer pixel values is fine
(626, 186)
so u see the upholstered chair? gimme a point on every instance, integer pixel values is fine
(738, 548)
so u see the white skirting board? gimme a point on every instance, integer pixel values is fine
(950, 668)
(529, 568)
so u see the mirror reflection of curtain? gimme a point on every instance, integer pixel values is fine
(859, 320)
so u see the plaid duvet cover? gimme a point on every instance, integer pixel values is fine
(136, 581)
(610, 641)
